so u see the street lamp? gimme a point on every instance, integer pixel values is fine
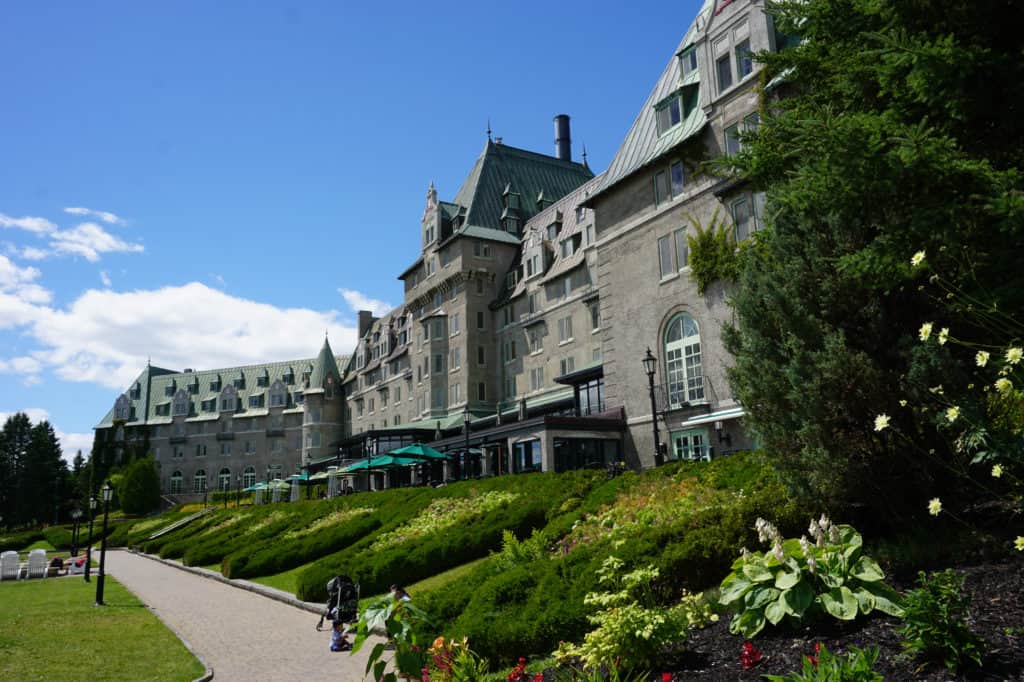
(238, 491)
(466, 416)
(76, 514)
(108, 493)
(649, 362)
(88, 545)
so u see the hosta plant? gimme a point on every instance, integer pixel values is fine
(800, 579)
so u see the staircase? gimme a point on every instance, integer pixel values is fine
(180, 522)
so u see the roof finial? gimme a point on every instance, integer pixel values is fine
(584, 153)
(488, 128)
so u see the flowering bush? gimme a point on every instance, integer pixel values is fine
(445, 513)
(856, 666)
(519, 673)
(631, 630)
(803, 578)
(452, 660)
(332, 519)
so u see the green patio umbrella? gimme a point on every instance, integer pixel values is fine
(301, 478)
(381, 462)
(279, 484)
(321, 476)
(419, 451)
(254, 487)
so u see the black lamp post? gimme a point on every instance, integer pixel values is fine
(76, 514)
(650, 362)
(108, 493)
(206, 492)
(238, 491)
(88, 545)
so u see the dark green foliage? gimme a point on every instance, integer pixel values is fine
(712, 252)
(139, 489)
(59, 536)
(856, 666)
(34, 486)
(15, 542)
(936, 622)
(891, 139)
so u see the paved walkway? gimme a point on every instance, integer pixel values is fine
(242, 635)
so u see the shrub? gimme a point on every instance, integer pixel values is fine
(59, 536)
(856, 666)
(936, 615)
(799, 579)
(15, 542)
(631, 629)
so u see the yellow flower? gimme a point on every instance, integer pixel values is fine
(935, 506)
(903, 403)
(981, 358)
(943, 336)
(881, 422)
(1013, 355)
(997, 471)
(925, 331)
(1004, 385)
(1019, 543)
(917, 258)
(952, 414)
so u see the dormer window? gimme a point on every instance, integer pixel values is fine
(181, 404)
(169, 389)
(263, 380)
(136, 392)
(122, 408)
(278, 395)
(669, 113)
(239, 382)
(511, 224)
(688, 61)
(215, 385)
(228, 399)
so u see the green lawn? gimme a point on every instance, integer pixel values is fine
(50, 630)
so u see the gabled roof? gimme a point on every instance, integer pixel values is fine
(642, 144)
(523, 172)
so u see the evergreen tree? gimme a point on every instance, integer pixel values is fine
(899, 132)
(14, 444)
(44, 476)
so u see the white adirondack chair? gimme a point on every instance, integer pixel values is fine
(37, 563)
(9, 565)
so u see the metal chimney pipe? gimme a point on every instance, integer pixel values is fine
(563, 142)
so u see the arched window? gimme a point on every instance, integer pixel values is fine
(683, 368)
(199, 481)
(249, 477)
(176, 479)
(224, 480)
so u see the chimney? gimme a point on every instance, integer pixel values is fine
(563, 144)
(365, 320)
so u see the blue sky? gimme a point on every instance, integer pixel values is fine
(213, 184)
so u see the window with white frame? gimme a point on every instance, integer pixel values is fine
(456, 325)
(249, 477)
(661, 191)
(688, 61)
(682, 248)
(224, 480)
(741, 218)
(567, 365)
(455, 393)
(533, 302)
(684, 369)
(565, 329)
(744, 59)
(536, 378)
(665, 263)
(176, 483)
(595, 315)
(536, 340)
(677, 177)
(456, 358)
(199, 481)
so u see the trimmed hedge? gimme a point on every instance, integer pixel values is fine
(15, 542)
(414, 560)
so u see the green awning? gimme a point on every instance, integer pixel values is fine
(418, 451)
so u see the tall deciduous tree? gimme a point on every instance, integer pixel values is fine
(900, 131)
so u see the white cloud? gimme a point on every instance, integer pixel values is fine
(105, 337)
(35, 414)
(358, 301)
(105, 216)
(89, 240)
(32, 253)
(29, 223)
(105, 278)
(20, 283)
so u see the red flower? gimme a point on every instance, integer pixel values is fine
(814, 659)
(666, 677)
(750, 656)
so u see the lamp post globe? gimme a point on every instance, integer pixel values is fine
(108, 494)
(88, 545)
(650, 363)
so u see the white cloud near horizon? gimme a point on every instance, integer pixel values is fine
(21, 283)
(106, 337)
(105, 216)
(358, 301)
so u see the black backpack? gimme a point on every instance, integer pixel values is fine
(342, 604)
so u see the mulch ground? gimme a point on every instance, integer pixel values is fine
(997, 592)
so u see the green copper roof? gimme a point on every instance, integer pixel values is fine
(523, 172)
(324, 366)
(642, 144)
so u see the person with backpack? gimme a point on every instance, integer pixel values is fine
(342, 609)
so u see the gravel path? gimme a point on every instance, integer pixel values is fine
(241, 635)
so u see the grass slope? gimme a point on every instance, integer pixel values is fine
(50, 630)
